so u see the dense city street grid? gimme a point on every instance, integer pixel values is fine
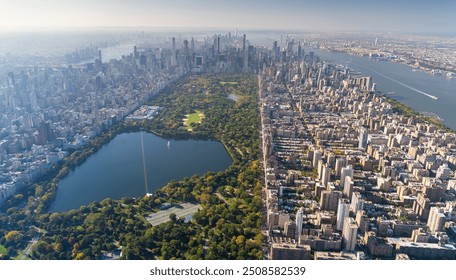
(325, 166)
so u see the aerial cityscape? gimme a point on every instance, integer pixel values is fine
(186, 140)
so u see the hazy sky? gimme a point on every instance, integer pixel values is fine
(315, 15)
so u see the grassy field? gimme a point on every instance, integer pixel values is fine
(3, 250)
(196, 117)
(229, 83)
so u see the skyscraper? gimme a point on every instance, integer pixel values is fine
(343, 210)
(362, 138)
(135, 52)
(340, 162)
(218, 44)
(174, 55)
(192, 46)
(348, 187)
(349, 234)
(368, 83)
(44, 133)
(244, 55)
(316, 157)
(329, 200)
(299, 219)
(362, 221)
(357, 202)
(346, 171)
(325, 174)
(299, 51)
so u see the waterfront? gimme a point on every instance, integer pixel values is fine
(413, 88)
(116, 170)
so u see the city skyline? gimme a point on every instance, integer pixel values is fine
(328, 15)
(326, 163)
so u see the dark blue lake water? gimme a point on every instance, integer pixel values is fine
(117, 169)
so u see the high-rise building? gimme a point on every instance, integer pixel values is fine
(340, 162)
(218, 44)
(299, 220)
(436, 219)
(192, 46)
(343, 210)
(345, 171)
(283, 59)
(199, 61)
(368, 83)
(245, 57)
(174, 55)
(362, 221)
(45, 133)
(186, 52)
(357, 202)
(349, 233)
(348, 187)
(325, 175)
(331, 160)
(316, 157)
(320, 167)
(362, 144)
(329, 200)
(135, 52)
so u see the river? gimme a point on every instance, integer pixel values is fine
(116, 170)
(413, 88)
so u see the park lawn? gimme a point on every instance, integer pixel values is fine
(3, 250)
(229, 83)
(196, 117)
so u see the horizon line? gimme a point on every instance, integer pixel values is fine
(43, 29)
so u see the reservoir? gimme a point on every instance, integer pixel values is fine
(117, 170)
(413, 88)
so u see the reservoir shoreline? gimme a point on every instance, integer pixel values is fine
(118, 158)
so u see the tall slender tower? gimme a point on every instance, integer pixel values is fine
(245, 56)
(135, 52)
(173, 57)
(299, 218)
(362, 142)
(192, 46)
(343, 209)
(325, 175)
(218, 45)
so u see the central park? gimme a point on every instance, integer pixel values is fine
(227, 224)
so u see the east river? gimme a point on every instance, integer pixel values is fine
(401, 82)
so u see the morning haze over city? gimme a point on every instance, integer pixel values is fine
(228, 130)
